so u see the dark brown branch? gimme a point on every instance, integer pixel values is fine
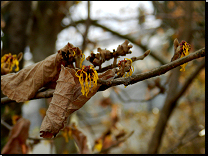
(162, 61)
(155, 72)
(132, 79)
(168, 108)
(45, 94)
(87, 24)
(133, 59)
(95, 23)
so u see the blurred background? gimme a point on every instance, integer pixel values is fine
(41, 28)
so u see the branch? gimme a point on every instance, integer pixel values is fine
(129, 80)
(116, 144)
(155, 72)
(95, 23)
(168, 109)
(135, 100)
(133, 59)
(182, 141)
(162, 61)
(87, 24)
(45, 94)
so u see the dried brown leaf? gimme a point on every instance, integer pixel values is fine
(23, 85)
(123, 49)
(67, 98)
(81, 140)
(17, 138)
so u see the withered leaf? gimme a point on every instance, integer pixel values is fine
(23, 85)
(81, 140)
(67, 98)
(17, 138)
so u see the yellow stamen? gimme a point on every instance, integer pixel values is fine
(185, 52)
(82, 59)
(86, 84)
(11, 61)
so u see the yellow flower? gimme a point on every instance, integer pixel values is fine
(131, 70)
(185, 51)
(98, 145)
(9, 61)
(87, 74)
(82, 59)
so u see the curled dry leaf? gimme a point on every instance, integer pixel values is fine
(23, 85)
(17, 138)
(67, 98)
(80, 139)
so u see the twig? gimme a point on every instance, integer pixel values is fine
(136, 100)
(87, 24)
(182, 142)
(116, 144)
(45, 94)
(6, 124)
(162, 61)
(10, 127)
(133, 59)
(95, 23)
(155, 72)
(168, 109)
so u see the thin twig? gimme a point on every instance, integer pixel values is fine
(154, 72)
(136, 100)
(6, 124)
(133, 60)
(45, 94)
(183, 141)
(116, 144)
(87, 24)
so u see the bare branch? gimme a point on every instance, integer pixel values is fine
(132, 79)
(133, 59)
(45, 94)
(183, 141)
(155, 72)
(116, 144)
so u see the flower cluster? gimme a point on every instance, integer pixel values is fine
(125, 67)
(9, 61)
(87, 74)
(126, 63)
(185, 47)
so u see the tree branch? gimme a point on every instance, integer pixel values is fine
(45, 94)
(154, 72)
(129, 80)
(95, 23)
(182, 141)
(115, 144)
(168, 108)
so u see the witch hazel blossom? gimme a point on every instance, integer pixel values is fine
(87, 74)
(185, 51)
(10, 61)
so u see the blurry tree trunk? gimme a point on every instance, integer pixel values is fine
(46, 24)
(15, 35)
(16, 16)
(170, 104)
